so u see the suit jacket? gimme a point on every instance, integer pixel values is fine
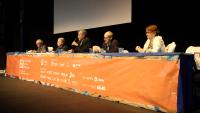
(111, 47)
(83, 46)
(61, 49)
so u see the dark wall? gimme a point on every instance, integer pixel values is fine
(23, 21)
(7, 43)
(178, 20)
(2, 34)
(38, 21)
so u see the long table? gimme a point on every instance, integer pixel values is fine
(157, 81)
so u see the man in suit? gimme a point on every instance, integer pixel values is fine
(81, 44)
(110, 45)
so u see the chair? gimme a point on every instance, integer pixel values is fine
(171, 47)
(196, 51)
(193, 49)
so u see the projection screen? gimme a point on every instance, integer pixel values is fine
(72, 15)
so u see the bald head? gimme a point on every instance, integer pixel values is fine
(108, 36)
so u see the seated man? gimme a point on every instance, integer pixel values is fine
(82, 43)
(61, 45)
(109, 45)
(41, 47)
(154, 42)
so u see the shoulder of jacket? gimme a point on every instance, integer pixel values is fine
(158, 37)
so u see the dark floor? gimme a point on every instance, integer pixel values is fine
(17, 96)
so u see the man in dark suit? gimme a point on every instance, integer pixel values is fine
(82, 44)
(110, 45)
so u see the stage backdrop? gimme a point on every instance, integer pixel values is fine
(72, 15)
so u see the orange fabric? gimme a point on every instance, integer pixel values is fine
(143, 81)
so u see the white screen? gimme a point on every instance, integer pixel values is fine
(72, 15)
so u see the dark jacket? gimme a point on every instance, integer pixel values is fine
(111, 47)
(61, 49)
(83, 46)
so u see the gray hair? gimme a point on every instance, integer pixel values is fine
(83, 31)
(39, 41)
(62, 39)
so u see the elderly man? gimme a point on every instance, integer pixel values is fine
(109, 45)
(41, 47)
(82, 43)
(61, 45)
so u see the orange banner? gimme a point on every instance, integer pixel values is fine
(147, 82)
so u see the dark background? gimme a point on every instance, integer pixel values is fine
(23, 21)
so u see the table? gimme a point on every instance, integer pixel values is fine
(157, 81)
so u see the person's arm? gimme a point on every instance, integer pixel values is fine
(139, 49)
(144, 49)
(74, 43)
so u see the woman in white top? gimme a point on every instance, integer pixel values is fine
(154, 42)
